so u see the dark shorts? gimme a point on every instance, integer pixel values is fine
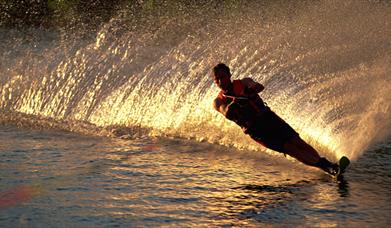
(271, 131)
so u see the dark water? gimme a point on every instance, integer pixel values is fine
(54, 178)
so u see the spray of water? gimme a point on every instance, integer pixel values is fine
(325, 66)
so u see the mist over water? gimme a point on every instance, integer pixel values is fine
(324, 64)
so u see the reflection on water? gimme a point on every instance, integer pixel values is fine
(343, 187)
(155, 182)
(17, 195)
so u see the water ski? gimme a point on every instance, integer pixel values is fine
(343, 164)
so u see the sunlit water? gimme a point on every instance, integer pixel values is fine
(54, 178)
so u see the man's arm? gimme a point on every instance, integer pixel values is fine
(220, 106)
(226, 109)
(252, 87)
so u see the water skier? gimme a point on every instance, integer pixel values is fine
(239, 101)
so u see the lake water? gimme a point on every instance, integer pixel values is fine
(60, 179)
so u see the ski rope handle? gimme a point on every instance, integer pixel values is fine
(234, 97)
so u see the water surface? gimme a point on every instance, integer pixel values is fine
(55, 178)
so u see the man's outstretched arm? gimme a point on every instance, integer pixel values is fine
(252, 87)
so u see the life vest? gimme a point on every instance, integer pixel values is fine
(249, 110)
(239, 88)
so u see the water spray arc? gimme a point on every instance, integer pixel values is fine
(328, 78)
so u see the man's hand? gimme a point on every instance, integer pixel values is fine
(250, 92)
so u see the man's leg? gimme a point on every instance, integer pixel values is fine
(299, 149)
(302, 151)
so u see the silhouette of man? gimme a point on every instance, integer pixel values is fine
(239, 101)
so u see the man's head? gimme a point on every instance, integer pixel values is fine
(222, 77)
